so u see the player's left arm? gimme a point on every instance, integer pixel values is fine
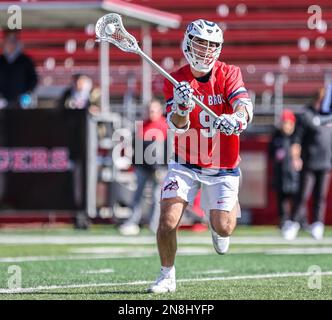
(243, 113)
(241, 103)
(236, 122)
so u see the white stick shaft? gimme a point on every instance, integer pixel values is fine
(175, 82)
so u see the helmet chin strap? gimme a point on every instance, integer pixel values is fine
(205, 70)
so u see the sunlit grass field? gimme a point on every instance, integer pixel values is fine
(62, 263)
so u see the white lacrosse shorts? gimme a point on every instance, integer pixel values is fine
(218, 192)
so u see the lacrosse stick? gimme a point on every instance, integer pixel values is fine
(110, 28)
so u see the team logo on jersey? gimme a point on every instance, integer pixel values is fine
(173, 185)
(212, 100)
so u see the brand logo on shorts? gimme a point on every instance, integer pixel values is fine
(173, 185)
(220, 201)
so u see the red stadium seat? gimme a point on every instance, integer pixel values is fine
(257, 38)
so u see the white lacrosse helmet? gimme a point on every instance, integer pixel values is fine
(202, 56)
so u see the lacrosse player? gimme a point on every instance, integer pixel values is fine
(206, 150)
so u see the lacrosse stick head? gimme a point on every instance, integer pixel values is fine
(110, 28)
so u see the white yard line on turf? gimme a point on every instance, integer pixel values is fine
(124, 252)
(111, 253)
(97, 271)
(292, 251)
(74, 239)
(145, 282)
(137, 250)
(111, 239)
(214, 271)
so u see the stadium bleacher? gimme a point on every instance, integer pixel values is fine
(266, 39)
(258, 33)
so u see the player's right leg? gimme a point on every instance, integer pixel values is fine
(179, 189)
(170, 215)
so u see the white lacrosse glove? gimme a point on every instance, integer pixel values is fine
(182, 95)
(230, 124)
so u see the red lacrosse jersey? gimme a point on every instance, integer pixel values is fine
(203, 145)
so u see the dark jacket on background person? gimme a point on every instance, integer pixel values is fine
(285, 178)
(66, 100)
(315, 141)
(17, 77)
(316, 153)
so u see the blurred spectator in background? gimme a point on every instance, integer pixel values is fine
(80, 94)
(285, 171)
(326, 106)
(313, 144)
(149, 170)
(18, 77)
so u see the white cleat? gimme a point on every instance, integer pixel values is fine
(290, 230)
(164, 284)
(129, 229)
(317, 230)
(221, 244)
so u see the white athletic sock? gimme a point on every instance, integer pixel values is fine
(168, 270)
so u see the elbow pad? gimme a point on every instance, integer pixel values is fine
(245, 102)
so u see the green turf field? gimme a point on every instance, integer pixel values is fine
(100, 264)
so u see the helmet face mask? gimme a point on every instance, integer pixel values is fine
(202, 44)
